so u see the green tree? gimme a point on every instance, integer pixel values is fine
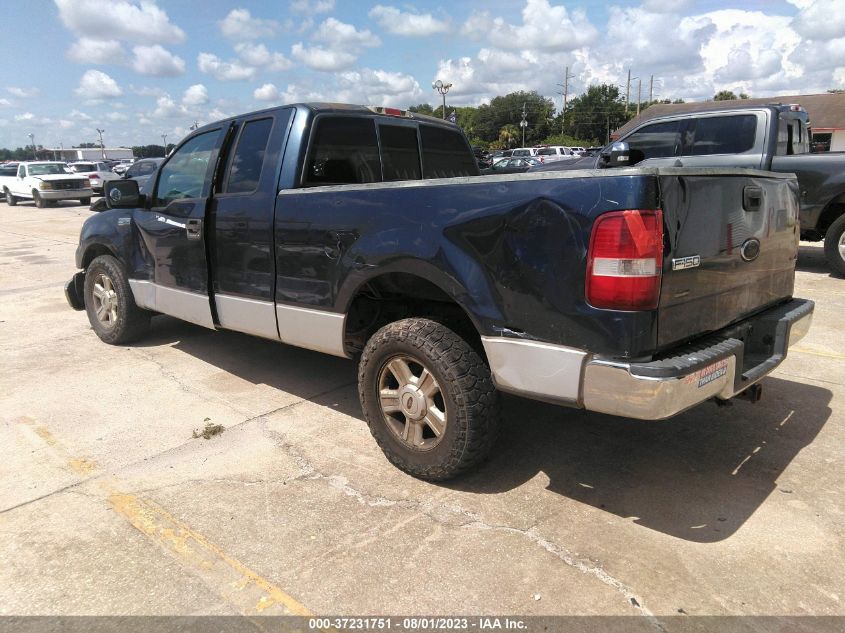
(489, 119)
(596, 113)
(509, 136)
(422, 108)
(724, 95)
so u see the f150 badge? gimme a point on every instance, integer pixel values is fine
(681, 263)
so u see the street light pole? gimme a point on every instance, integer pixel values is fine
(102, 147)
(442, 88)
(164, 140)
(32, 140)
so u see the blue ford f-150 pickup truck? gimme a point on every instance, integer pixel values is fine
(367, 233)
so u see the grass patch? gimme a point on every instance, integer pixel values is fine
(209, 431)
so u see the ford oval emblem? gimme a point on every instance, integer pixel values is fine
(115, 196)
(750, 249)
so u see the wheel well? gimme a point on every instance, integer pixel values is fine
(396, 296)
(95, 250)
(833, 210)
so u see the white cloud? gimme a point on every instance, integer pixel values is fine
(267, 92)
(224, 71)
(340, 35)
(167, 108)
(87, 50)
(399, 22)
(144, 23)
(240, 25)
(380, 87)
(311, 7)
(156, 61)
(820, 20)
(117, 116)
(23, 93)
(26, 116)
(195, 95)
(147, 91)
(322, 59)
(76, 114)
(544, 27)
(258, 55)
(97, 85)
(5, 103)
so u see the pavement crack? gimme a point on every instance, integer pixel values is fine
(571, 560)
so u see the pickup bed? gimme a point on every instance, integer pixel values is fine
(773, 137)
(44, 183)
(367, 233)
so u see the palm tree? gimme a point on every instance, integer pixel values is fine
(509, 135)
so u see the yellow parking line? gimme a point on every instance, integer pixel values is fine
(804, 350)
(233, 580)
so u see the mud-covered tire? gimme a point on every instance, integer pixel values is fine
(39, 201)
(10, 199)
(834, 246)
(468, 399)
(110, 305)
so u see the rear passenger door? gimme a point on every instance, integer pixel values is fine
(241, 220)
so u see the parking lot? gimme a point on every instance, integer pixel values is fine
(109, 505)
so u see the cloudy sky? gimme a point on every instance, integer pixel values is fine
(140, 68)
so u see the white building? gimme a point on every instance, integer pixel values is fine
(85, 153)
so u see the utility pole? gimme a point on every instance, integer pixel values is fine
(32, 140)
(164, 140)
(628, 91)
(102, 147)
(565, 93)
(523, 124)
(195, 125)
(639, 95)
(651, 89)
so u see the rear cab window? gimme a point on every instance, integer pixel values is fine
(732, 134)
(359, 150)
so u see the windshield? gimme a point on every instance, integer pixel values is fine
(83, 167)
(46, 169)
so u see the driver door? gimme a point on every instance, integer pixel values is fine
(173, 230)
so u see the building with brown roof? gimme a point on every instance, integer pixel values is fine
(827, 115)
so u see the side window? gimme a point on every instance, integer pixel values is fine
(248, 157)
(185, 174)
(400, 153)
(445, 153)
(722, 135)
(145, 169)
(21, 172)
(344, 150)
(660, 140)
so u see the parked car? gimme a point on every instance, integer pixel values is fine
(770, 137)
(122, 165)
(511, 166)
(97, 173)
(522, 152)
(44, 182)
(346, 229)
(553, 153)
(142, 170)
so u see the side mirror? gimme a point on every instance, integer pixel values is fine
(619, 155)
(121, 194)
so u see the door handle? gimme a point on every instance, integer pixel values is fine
(194, 229)
(752, 198)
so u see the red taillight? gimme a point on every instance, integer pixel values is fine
(625, 260)
(93, 175)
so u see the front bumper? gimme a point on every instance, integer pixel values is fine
(66, 194)
(720, 366)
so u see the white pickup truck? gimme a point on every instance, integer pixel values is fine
(45, 182)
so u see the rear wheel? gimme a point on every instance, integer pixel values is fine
(834, 245)
(10, 199)
(85, 201)
(428, 399)
(110, 305)
(39, 201)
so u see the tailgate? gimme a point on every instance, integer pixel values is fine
(733, 242)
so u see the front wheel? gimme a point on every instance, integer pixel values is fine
(834, 245)
(428, 399)
(85, 201)
(39, 201)
(110, 305)
(10, 199)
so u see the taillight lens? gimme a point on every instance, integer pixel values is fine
(625, 260)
